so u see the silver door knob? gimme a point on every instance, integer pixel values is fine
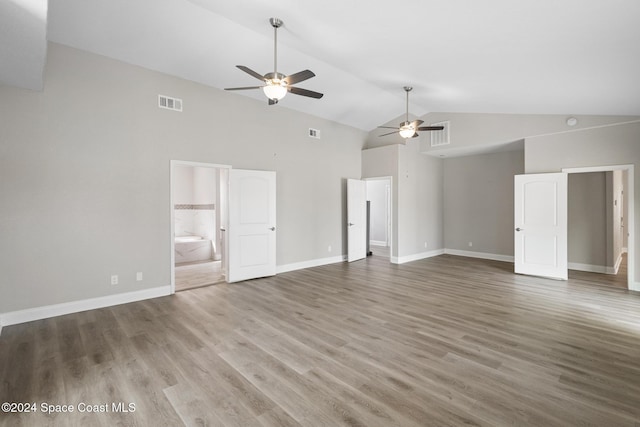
(351, 224)
(519, 229)
(272, 228)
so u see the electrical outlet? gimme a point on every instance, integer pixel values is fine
(114, 279)
(329, 248)
(425, 244)
(470, 244)
(139, 276)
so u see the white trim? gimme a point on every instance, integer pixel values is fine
(618, 262)
(481, 255)
(631, 241)
(416, 257)
(172, 165)
(37, 313)
(592, 268)
(377, 243)
(311, 263)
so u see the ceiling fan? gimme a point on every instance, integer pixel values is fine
(409, 129)
(276, 85)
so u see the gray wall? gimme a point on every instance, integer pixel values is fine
(613, 145)
(478, 202)
(473, 131)
(417, 187)
(84, 175)
(420, 199)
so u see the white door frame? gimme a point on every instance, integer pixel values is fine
(630, 223)
(173, 164)
(389, 179)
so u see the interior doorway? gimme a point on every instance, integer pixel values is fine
(198, 223)
(621, 225)
(380, 230)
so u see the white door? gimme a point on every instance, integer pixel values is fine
(356, 219)
(251, 224)
(541, 225)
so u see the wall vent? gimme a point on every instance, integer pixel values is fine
(440, 137)
(314, 133)
(169, 103)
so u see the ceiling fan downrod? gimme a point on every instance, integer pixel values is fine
(407, 89)
(275, 23)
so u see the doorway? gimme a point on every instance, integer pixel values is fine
(380, 229)
(198, 223)
(620, 214)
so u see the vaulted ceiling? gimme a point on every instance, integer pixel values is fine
(491, 56)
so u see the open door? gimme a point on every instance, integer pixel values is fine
(251, 224)
(356, 219)
(541, 225)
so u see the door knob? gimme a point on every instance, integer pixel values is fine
(350, 224)
(272, 228)
(519, 229)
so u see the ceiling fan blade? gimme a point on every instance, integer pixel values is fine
(417, 123)
(243, 88)
(251, 72)
(272, 101)
(415, 135)
(431, 128)
(305, 92)
(387, 127)
(299, 77)
(390, 133)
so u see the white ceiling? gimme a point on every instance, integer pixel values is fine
(491, 56)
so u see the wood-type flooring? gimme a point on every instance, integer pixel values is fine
(445, 341)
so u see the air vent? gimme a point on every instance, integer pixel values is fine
(314, 133)
(440, 137)
(169, 103)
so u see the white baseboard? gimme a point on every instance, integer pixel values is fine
(592, 268)
(416, 257)
(37, 313)
(311, 263)
(377, 243)
(482, 255)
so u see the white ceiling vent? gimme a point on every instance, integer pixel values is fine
(440, 137)
(314, 133)
(169, 103)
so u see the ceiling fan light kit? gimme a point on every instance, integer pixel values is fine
(409, 129)
(276, 85)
